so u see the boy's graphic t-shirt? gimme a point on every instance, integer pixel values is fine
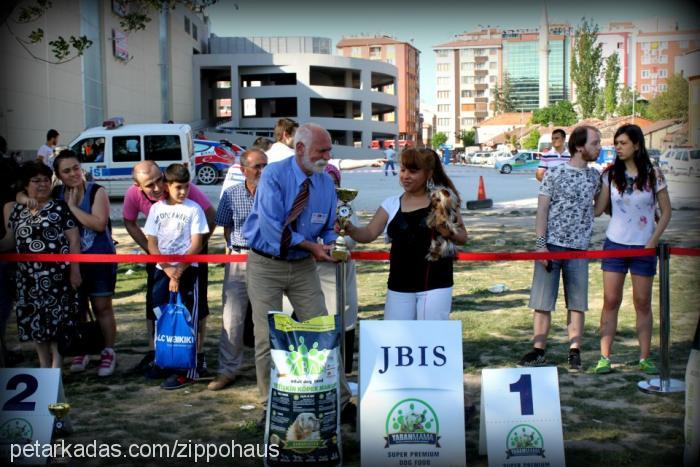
(174, 224)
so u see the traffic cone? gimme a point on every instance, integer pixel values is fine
(481, 202)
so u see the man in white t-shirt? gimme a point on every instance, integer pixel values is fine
(284, 140)
(45, 152)
(558, 155)
(177, 226)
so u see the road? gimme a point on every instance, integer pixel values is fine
(512, 191)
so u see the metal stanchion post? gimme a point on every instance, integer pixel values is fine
(664, 383)
(340, 302)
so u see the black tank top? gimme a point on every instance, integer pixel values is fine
(409, 271)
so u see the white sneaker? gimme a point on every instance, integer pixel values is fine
(79, 363)
(108, 360)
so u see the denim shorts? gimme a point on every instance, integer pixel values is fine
(545, 285)
(639, 265)
(98, 279)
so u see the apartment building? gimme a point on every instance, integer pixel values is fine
(406, 58)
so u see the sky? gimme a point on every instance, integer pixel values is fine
(427, 23)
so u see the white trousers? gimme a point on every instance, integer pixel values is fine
(433, 304)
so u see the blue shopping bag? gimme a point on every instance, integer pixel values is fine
(175, 340)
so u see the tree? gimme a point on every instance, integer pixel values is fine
(138, 15)
(586, 63)
(439, 139)
(502, 97)
(673, 103)
(561, 113)
(496, 99)
(612, 75)
(468, 137)
(624, 107)
(531, 140)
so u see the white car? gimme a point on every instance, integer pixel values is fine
(685, 161)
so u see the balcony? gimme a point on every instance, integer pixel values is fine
(481, 59)
(481, 72)
(481, 100)
(480, 114)
(481, 86)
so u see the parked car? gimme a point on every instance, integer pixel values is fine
(522, 161)
(654, 155)
(606, 157)
(109, 152)
(685, 161)
(212, 159)
(482, 158)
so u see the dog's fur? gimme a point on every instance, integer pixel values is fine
(443, 213)
(306, 426)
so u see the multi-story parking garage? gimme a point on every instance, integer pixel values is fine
(247, 84)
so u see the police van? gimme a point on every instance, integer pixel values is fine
(108, 153)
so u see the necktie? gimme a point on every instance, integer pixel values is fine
(297, 208)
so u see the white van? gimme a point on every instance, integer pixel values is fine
(109, 152)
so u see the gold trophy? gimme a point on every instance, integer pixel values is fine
(343, 212)
(59, 410)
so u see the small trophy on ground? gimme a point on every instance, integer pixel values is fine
(59, 410)
(343, 213)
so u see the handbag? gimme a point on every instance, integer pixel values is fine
(83, 337)
(175, 339)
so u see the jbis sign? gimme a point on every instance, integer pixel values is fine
(401, 356)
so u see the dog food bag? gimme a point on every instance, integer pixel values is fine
(303, 413)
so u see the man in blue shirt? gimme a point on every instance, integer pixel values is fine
(294, 206)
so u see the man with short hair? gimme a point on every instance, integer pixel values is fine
(234, 208)
(284, 140)
(390, 159)
(557, 155)
(294, 206)
(45, 152)
(148, 189)
(564, 223)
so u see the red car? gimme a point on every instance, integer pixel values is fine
(213, 158)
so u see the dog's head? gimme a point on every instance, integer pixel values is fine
(307, 422)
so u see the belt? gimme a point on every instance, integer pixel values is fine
(238, 249)
(276, 258)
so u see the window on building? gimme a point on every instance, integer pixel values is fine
(375, 53)
(442, 52)
(443, 122)
(468, 122)
(356, 52)
(443, 94)
(645, 88)
(187, 25)
(466, 93)
(466, 53)
(466, 66)
(662, 88)
(443, 81)
(162, 148)
(663, 59)
(645, 60)
(663, 45)
(492, 78)
(126, 149)
(645, 74)
(443, 67)
(646, 46)
(223, 84)
(443, 108)
(663, 73)
(467, 80)
(493, 52)
(620, 45)
(194, 32)
(390, 54)
(493, 65)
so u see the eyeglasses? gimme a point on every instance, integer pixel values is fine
(38, 181)
(256, 166)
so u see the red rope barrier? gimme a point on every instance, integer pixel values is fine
(357, 255)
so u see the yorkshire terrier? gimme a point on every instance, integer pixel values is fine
(443, 214)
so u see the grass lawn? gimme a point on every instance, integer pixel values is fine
(607, 420)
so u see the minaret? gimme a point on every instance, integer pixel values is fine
(543, 52)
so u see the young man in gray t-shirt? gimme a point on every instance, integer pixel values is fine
(564, 223)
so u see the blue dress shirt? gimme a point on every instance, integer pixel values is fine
(278, 187)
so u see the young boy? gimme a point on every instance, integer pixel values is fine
(176, 226)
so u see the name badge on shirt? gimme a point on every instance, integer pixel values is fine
(318, 218)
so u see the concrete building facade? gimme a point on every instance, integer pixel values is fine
(143, 77)
(406, 58)
(354, 99)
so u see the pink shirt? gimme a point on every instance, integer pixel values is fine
(135, 202)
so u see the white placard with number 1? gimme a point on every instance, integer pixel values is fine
(25, 395)
(521, 417)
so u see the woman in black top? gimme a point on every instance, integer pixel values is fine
(418, 288)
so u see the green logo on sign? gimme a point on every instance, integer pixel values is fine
(524, 440)
(16, 431)
(305, 362)
(412, 421)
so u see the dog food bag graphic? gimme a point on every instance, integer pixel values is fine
(303, 414)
